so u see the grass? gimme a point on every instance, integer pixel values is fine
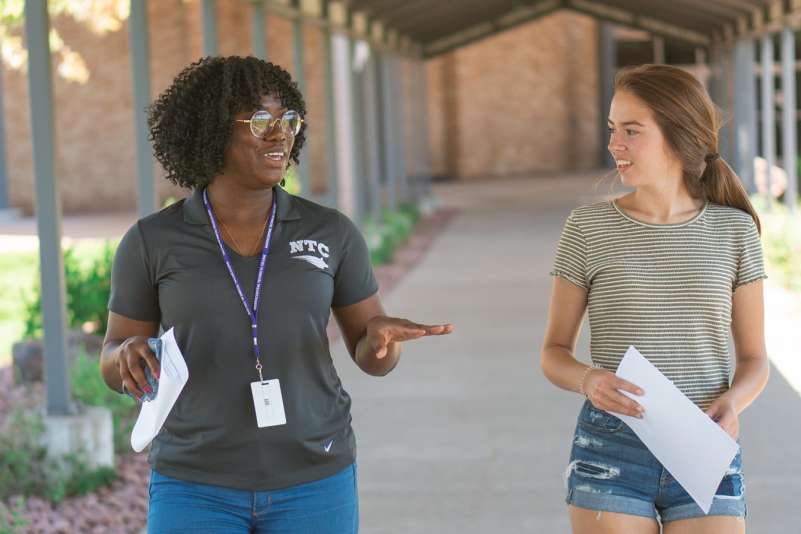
(781, 240)
(19, 272)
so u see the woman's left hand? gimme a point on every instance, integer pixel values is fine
(724, 413)
(383, 331)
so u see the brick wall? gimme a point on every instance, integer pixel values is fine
(94, 132)
(521, 101)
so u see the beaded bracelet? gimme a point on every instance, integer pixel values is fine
(583, 378)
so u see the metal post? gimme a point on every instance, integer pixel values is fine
(372, 127)
(425, 140)
(140, 60)
(789, 124)
(258, 34)
(4, 204)
(607, 63)
(210, 45)
(48, 209)
(343, 96)
(400, 125)
(723, 85)
(360, 180)
(330, 120)
(389, 134)
(768, 116)
(659, 49)
(745, 135)
(300, 77)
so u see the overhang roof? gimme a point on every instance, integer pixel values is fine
(438, 26)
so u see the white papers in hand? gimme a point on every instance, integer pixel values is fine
(688, 443)
(172, 378)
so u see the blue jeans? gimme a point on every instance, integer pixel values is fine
(327, 506)
(612, 470)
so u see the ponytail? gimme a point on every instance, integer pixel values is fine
(721, 185)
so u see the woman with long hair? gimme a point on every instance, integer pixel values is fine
(669, 268)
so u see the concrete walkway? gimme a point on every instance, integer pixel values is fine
(466, 435)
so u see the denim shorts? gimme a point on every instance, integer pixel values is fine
(327, 506)
(611, 470)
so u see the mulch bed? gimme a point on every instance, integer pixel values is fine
(122, 506)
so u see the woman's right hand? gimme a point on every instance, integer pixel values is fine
(602, 389)
(133, 355)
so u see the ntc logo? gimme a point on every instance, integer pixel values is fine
(308, 245)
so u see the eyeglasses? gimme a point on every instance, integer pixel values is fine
(262, 123)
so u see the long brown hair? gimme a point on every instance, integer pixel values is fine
(690, 122)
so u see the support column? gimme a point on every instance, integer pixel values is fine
(430, 203)
(210, 44)
(298, 57)
(4, 204)
(745, 135)
(389, 132)
(400, 126)
(140, 60)
(725, 83)
(258, 33)
(331, 119)
(768, 116)
(372, 129)
(659, 50)
(48, 209)
(345, 131)
(607, 62)
(789, 123)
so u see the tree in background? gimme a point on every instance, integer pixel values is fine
(100, 16)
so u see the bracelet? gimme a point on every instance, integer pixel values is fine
(583, 378)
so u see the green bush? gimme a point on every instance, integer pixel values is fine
(292, 181)
(782, 242)
(87, 283)
(12, 519)
(89, 388)
(390, 232)
(26, 470)
(379, 241)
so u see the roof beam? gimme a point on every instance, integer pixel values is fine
(515, 17)
(636, 20)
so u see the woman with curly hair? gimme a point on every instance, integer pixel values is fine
(673, 268)
(260, 439)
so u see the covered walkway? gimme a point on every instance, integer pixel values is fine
(466, 435)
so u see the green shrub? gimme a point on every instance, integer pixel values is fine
(89, 388)
(87, 283)
(22, 456)
(12, 519)
(292, 181)
(26, 470)
(379, 241)
(390, 232)
(782, 245)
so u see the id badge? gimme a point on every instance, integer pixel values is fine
(268, 402)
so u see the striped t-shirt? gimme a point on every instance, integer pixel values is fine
(664, 288)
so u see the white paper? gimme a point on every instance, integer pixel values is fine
(172, 378)
(688, 443)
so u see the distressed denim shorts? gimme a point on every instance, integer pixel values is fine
(611, 470)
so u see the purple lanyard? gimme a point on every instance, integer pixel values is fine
(253, 312)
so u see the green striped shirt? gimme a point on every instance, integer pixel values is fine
(664, 288)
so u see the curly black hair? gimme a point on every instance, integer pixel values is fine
(191, 122)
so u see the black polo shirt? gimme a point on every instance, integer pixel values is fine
(168, 268)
